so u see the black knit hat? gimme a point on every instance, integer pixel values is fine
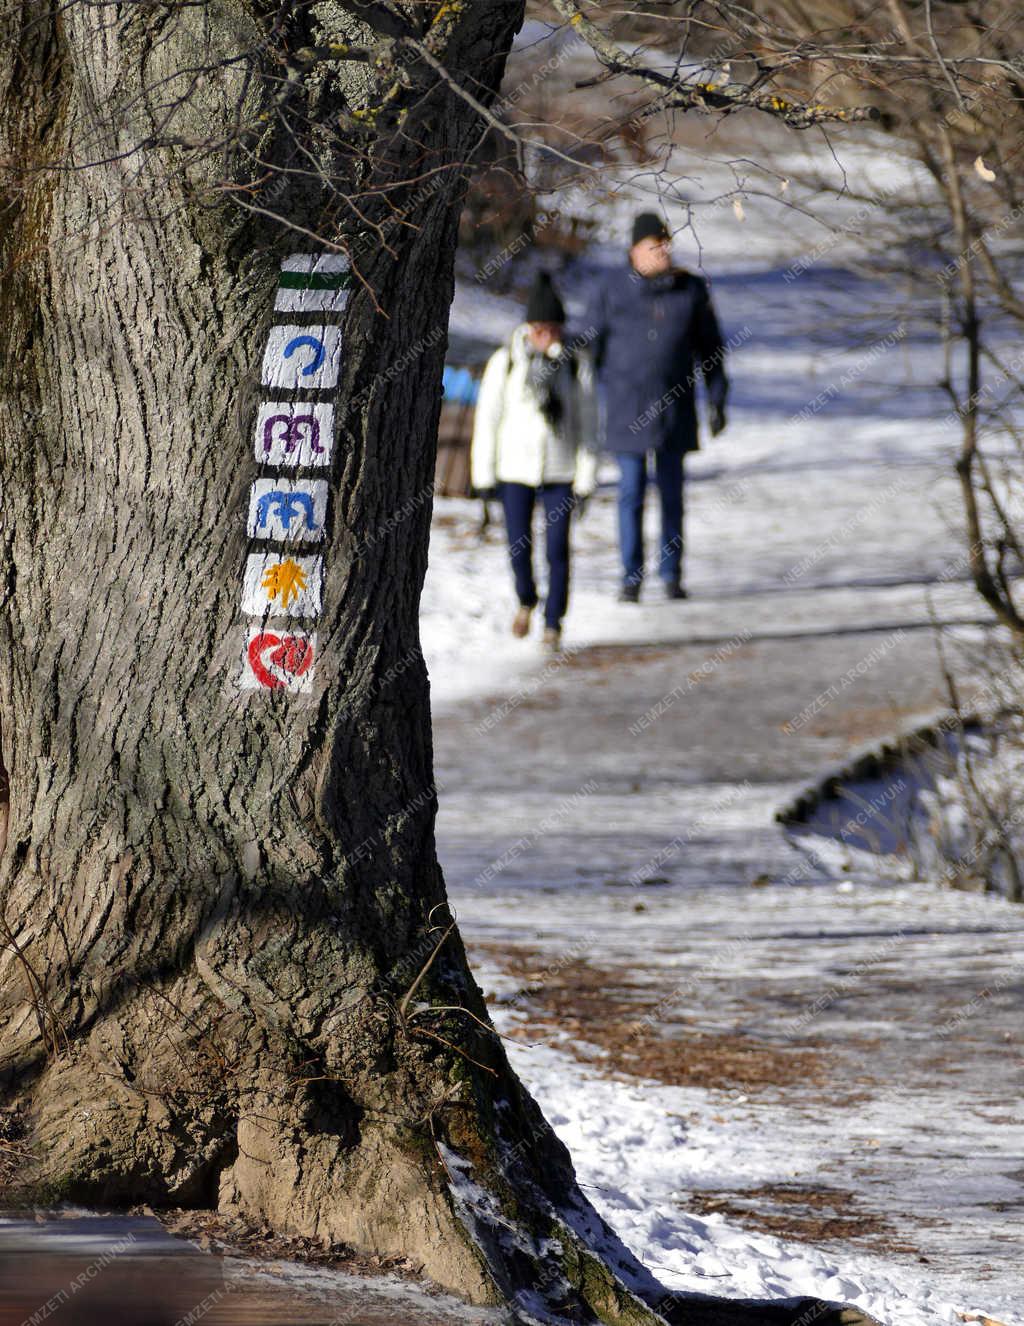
(649, 225)
(543, 304)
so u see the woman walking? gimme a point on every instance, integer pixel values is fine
(533, 439)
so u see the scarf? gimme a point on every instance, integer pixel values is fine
(550, 380)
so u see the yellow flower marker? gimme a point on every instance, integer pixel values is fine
(286, 579)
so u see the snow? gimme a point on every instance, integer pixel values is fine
(548, 860)
(640, 1148)
(637, 1153)
(823, 542)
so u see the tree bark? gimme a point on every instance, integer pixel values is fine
(229, 976)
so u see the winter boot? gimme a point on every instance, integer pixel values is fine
(552, 639)
(521, 622)
(674, 590)
(629, 594)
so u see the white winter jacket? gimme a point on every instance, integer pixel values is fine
(513, 441)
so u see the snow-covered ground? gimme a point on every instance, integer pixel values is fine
(640, 1148)
(614, 808)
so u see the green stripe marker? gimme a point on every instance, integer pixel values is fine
(313, 283)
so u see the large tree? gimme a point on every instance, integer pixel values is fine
(229, 976)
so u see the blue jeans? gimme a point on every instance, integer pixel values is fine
(633, 478)
(518, 499)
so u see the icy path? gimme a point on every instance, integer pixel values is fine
(607, 822)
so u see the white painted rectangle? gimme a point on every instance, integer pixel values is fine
(302, 357)
(316, 262)
(310, 301)
(288, 509)
(294, 295)
(282, 585)
(278, 660)
(294, 433)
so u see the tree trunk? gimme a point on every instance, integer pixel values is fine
(229, 976)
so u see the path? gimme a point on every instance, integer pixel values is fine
(831, 1104)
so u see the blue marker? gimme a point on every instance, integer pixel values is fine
(314, 344)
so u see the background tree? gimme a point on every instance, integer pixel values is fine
(947, 80)
(229, 974)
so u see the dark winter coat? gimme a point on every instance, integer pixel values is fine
(651, 337)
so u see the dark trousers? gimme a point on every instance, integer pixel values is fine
(633, 479)
(519, 499)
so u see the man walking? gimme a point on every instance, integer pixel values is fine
(654, 330)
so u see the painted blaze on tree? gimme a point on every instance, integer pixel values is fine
(292, 509)
(212, 993)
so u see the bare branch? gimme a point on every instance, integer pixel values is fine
(705, 96)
